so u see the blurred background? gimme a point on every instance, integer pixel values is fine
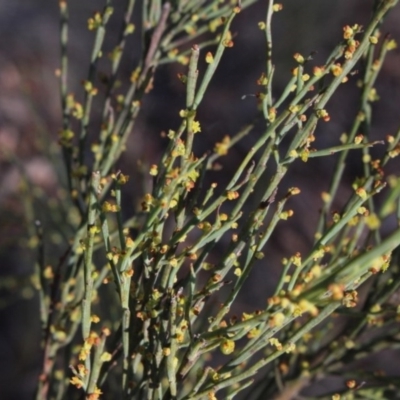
(30, 119)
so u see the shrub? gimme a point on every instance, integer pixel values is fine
(143, 301)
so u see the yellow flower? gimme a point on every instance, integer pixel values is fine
(95, 22)
(290, 347)
(211, 396)
(295, 109)
(262, 80)
(214, 24)
(348, 32)
(48, 272)
(373, 95)
(391, 45)
(318, 71)
(227, 346)
(105, 357)
(293, 154)
(326, 197)
(286, 214)
(293, 191)
(275, 342)
(228, 42)
(196, 126)
(362, 193)
(336, 69)
(183, 113)
(109, 207)
(373, 222)
(95, 395)
(173, 262)
(299, 58)
(154, 170)
(373, 39)
(78, 111)
(166, 351)
(277, 7)
(254, 333)
(76, 382)
(322, 113)
(296, 259)
(95, 319)
(135, 75)
(221, 148)
(66, 137)
(130, 28)
(232, 195)
(272, 114)
(358, 139)
(276, 320)
(223, 217)
(209, 58)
